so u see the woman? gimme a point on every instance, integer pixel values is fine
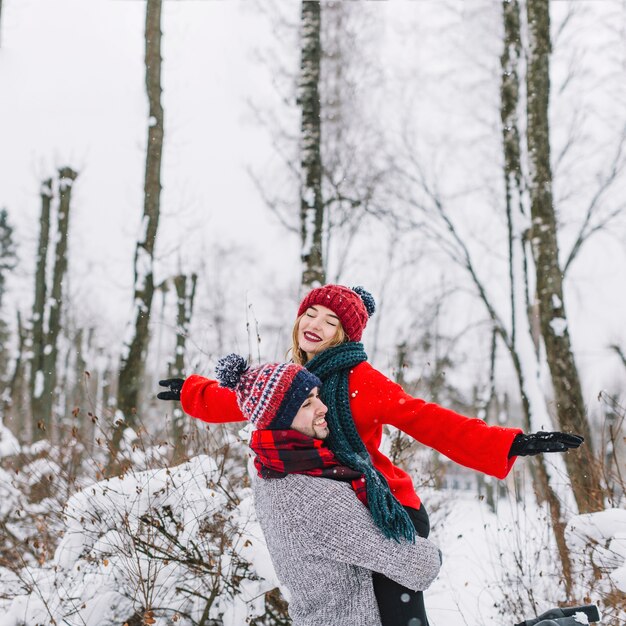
(361, 400)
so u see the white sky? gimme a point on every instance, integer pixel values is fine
(72, 78)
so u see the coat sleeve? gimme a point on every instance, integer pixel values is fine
(465, 440)
(340, 528)
(203, 398)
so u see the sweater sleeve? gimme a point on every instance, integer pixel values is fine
(203, 398)
(467, 441)
(339, 527)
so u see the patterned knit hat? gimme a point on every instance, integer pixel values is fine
(268, 395)
(353, 306)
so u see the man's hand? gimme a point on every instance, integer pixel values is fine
(174, 386)
(536, 443)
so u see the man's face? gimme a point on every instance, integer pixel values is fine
(310, 418)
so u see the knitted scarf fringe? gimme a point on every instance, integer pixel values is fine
(332, 367)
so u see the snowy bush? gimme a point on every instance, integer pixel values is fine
(33, 489)
(597, 542)
(166, 546)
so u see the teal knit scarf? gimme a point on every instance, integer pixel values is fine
(332, 367)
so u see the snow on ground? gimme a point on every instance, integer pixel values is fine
(460, 592)
(599, 540)
(8, 443)
(153, 538)
(490, 560)
(132, 541)
(474, 541)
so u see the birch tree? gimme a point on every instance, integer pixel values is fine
(570, 408)
(7, 263)
(15, 400)
(67, 176)
(7, 251)
(519, 340)
(350, 140)
(535, 332)
(135, 349)
(185, 295)
(38, 314)
(48, 301)
(311, 202)
(354, 160)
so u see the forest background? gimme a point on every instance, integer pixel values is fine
(173, 176)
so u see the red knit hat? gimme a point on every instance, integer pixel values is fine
(353, 306)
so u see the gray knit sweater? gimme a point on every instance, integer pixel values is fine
(324, 546)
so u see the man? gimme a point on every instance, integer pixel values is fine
(313, 511)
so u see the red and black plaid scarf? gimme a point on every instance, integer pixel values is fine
(282, 452)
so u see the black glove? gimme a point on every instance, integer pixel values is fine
(536, 443)
(174, 385)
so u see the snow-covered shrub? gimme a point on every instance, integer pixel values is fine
(33, 488)
(166, 546)
(597, 543)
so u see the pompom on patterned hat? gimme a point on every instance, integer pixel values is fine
(353, 306)
(268, 395)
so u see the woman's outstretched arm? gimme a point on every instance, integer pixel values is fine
(203, 398)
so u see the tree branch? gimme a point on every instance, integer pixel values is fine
(586, 229)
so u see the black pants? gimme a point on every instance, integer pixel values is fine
(397, 604)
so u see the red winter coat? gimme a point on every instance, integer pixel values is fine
(375, 400)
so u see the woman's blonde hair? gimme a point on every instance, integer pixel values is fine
(299, 356)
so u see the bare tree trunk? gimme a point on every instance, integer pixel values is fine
(311, 203)
(84, 383)
(66, 387)
(133, 359)
(107, 388)
(67, 176)
(37, 324)
(5, 357)
(509, 103)
(7, 251)
(76, 382)
(570, 410)
(7, 263)
(489, 406)
(185, 293)
(15, 402)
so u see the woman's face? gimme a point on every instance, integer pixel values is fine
(311, 418)
(317, 328)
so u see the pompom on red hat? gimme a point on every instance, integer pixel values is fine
(353, 306)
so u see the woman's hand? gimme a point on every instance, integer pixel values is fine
(536, 443)
(174, 386)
